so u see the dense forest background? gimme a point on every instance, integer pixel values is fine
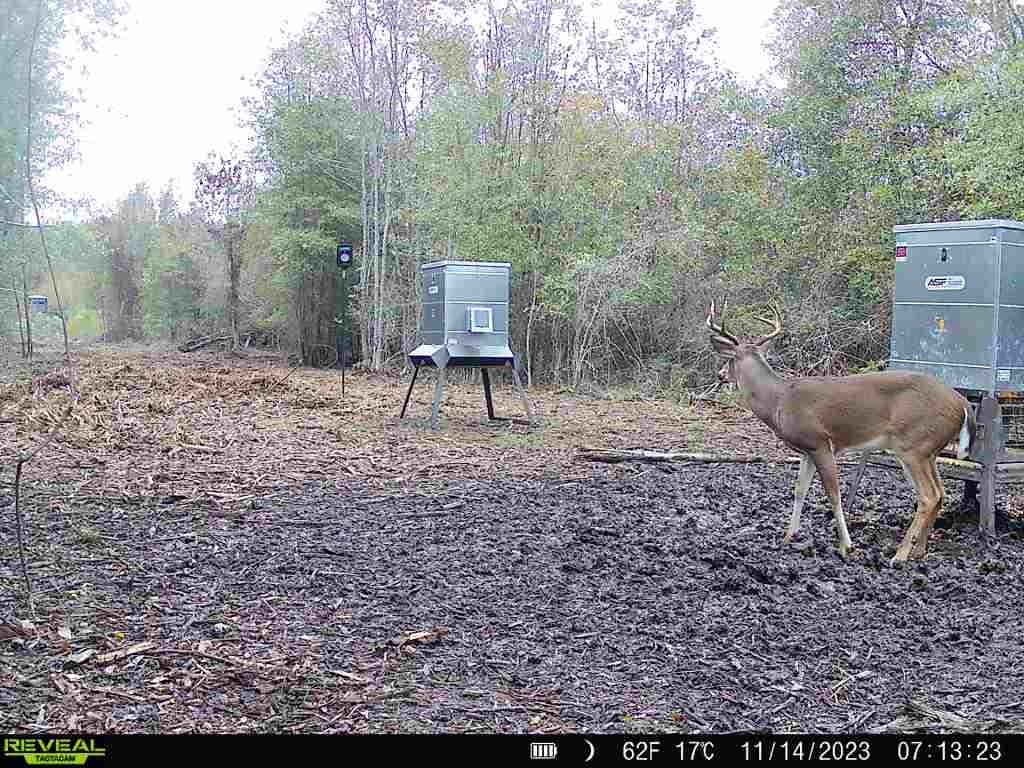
(625, 173)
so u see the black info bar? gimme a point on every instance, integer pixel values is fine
(496, 749)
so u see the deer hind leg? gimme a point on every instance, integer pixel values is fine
(825, 461)
(921, 547)
(803, 483)
(928, 501)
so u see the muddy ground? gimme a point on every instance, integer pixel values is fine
(217, 545)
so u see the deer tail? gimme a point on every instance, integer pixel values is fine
(967, 432)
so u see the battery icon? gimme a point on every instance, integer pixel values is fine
(543, 750)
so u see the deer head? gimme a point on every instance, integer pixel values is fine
(743, 359)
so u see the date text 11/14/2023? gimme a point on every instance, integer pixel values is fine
(881, 747)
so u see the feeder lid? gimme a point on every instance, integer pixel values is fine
(435, 264)
(974, 224)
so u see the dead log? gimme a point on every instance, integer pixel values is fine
(651, 457)
(194, 345)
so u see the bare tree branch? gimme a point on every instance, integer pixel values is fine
(19, 224)
(9, 196)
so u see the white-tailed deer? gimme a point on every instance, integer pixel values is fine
(911, 415)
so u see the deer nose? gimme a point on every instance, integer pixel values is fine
(723, 374)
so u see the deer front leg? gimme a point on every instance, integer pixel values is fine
(910, 536)
(825, 461)
(929, 499)
(803, 483)
(938, 492)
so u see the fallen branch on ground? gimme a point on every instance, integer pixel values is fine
(615, 457)
(194, 345)
(146, 647)
(654, 457)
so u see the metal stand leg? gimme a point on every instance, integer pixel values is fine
(415, 373)
(522, 393)
(987, 502)
(435, 414)
(990, 426)
(487, 393)
(855, 478)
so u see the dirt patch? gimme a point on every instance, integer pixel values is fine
(214, 549)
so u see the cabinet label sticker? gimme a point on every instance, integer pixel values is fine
(945, 282)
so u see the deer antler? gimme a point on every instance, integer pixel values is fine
(775, 324)
(718, 329)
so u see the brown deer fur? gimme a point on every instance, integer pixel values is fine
(911, 415)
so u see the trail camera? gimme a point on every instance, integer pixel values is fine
(345, 255)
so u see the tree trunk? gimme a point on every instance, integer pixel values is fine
(21, 322)
(529, 330)
(381, 346)
(364, 208)
(232, 236)
(359, 66)
(378, 258)
(28, 319)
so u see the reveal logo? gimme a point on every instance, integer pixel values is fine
(57, 751)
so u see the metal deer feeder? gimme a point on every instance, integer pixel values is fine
(958, 314)
(465, 323)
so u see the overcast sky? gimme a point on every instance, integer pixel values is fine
(167, 91)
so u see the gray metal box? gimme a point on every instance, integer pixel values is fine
(465, 313)
(958, 303)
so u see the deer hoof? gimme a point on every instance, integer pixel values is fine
(898, 561)
(845, 546)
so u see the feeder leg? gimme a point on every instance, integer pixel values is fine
(987, 503)
(990, 420)
(522, 392)
(855, 478)
(487, 393)
(435, 414)
(405, 404)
